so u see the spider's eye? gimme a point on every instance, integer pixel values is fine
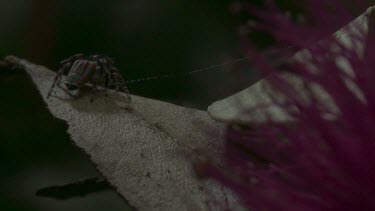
(71, 87)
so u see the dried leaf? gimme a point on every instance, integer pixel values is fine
(142, 150)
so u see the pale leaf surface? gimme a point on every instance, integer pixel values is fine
(144, 150)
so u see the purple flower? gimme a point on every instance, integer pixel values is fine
(324, 158)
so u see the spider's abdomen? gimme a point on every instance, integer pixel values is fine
(81, 72)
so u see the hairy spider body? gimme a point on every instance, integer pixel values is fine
(81, 73)
(94, 70)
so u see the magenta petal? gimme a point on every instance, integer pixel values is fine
(315, 163)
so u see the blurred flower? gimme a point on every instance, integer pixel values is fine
(324, 158)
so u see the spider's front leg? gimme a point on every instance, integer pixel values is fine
(94, 89)
(72, 59)
(66, 65)
(97, 79)
(57, 78)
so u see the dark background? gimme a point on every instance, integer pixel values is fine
(145, 37)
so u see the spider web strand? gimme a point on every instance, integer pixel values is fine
(209, 68)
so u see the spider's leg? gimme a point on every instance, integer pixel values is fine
(58, 82)
(65, 90)
(119, 82)
(106, 74)
(110, 60)
(53, 85)
(66, 65)
(57, 78)
(107, 79)
(72, 59)
(96, 79)
(93, 92)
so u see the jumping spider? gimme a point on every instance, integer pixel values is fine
(95, 71)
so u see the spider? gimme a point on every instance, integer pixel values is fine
(94, 71)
